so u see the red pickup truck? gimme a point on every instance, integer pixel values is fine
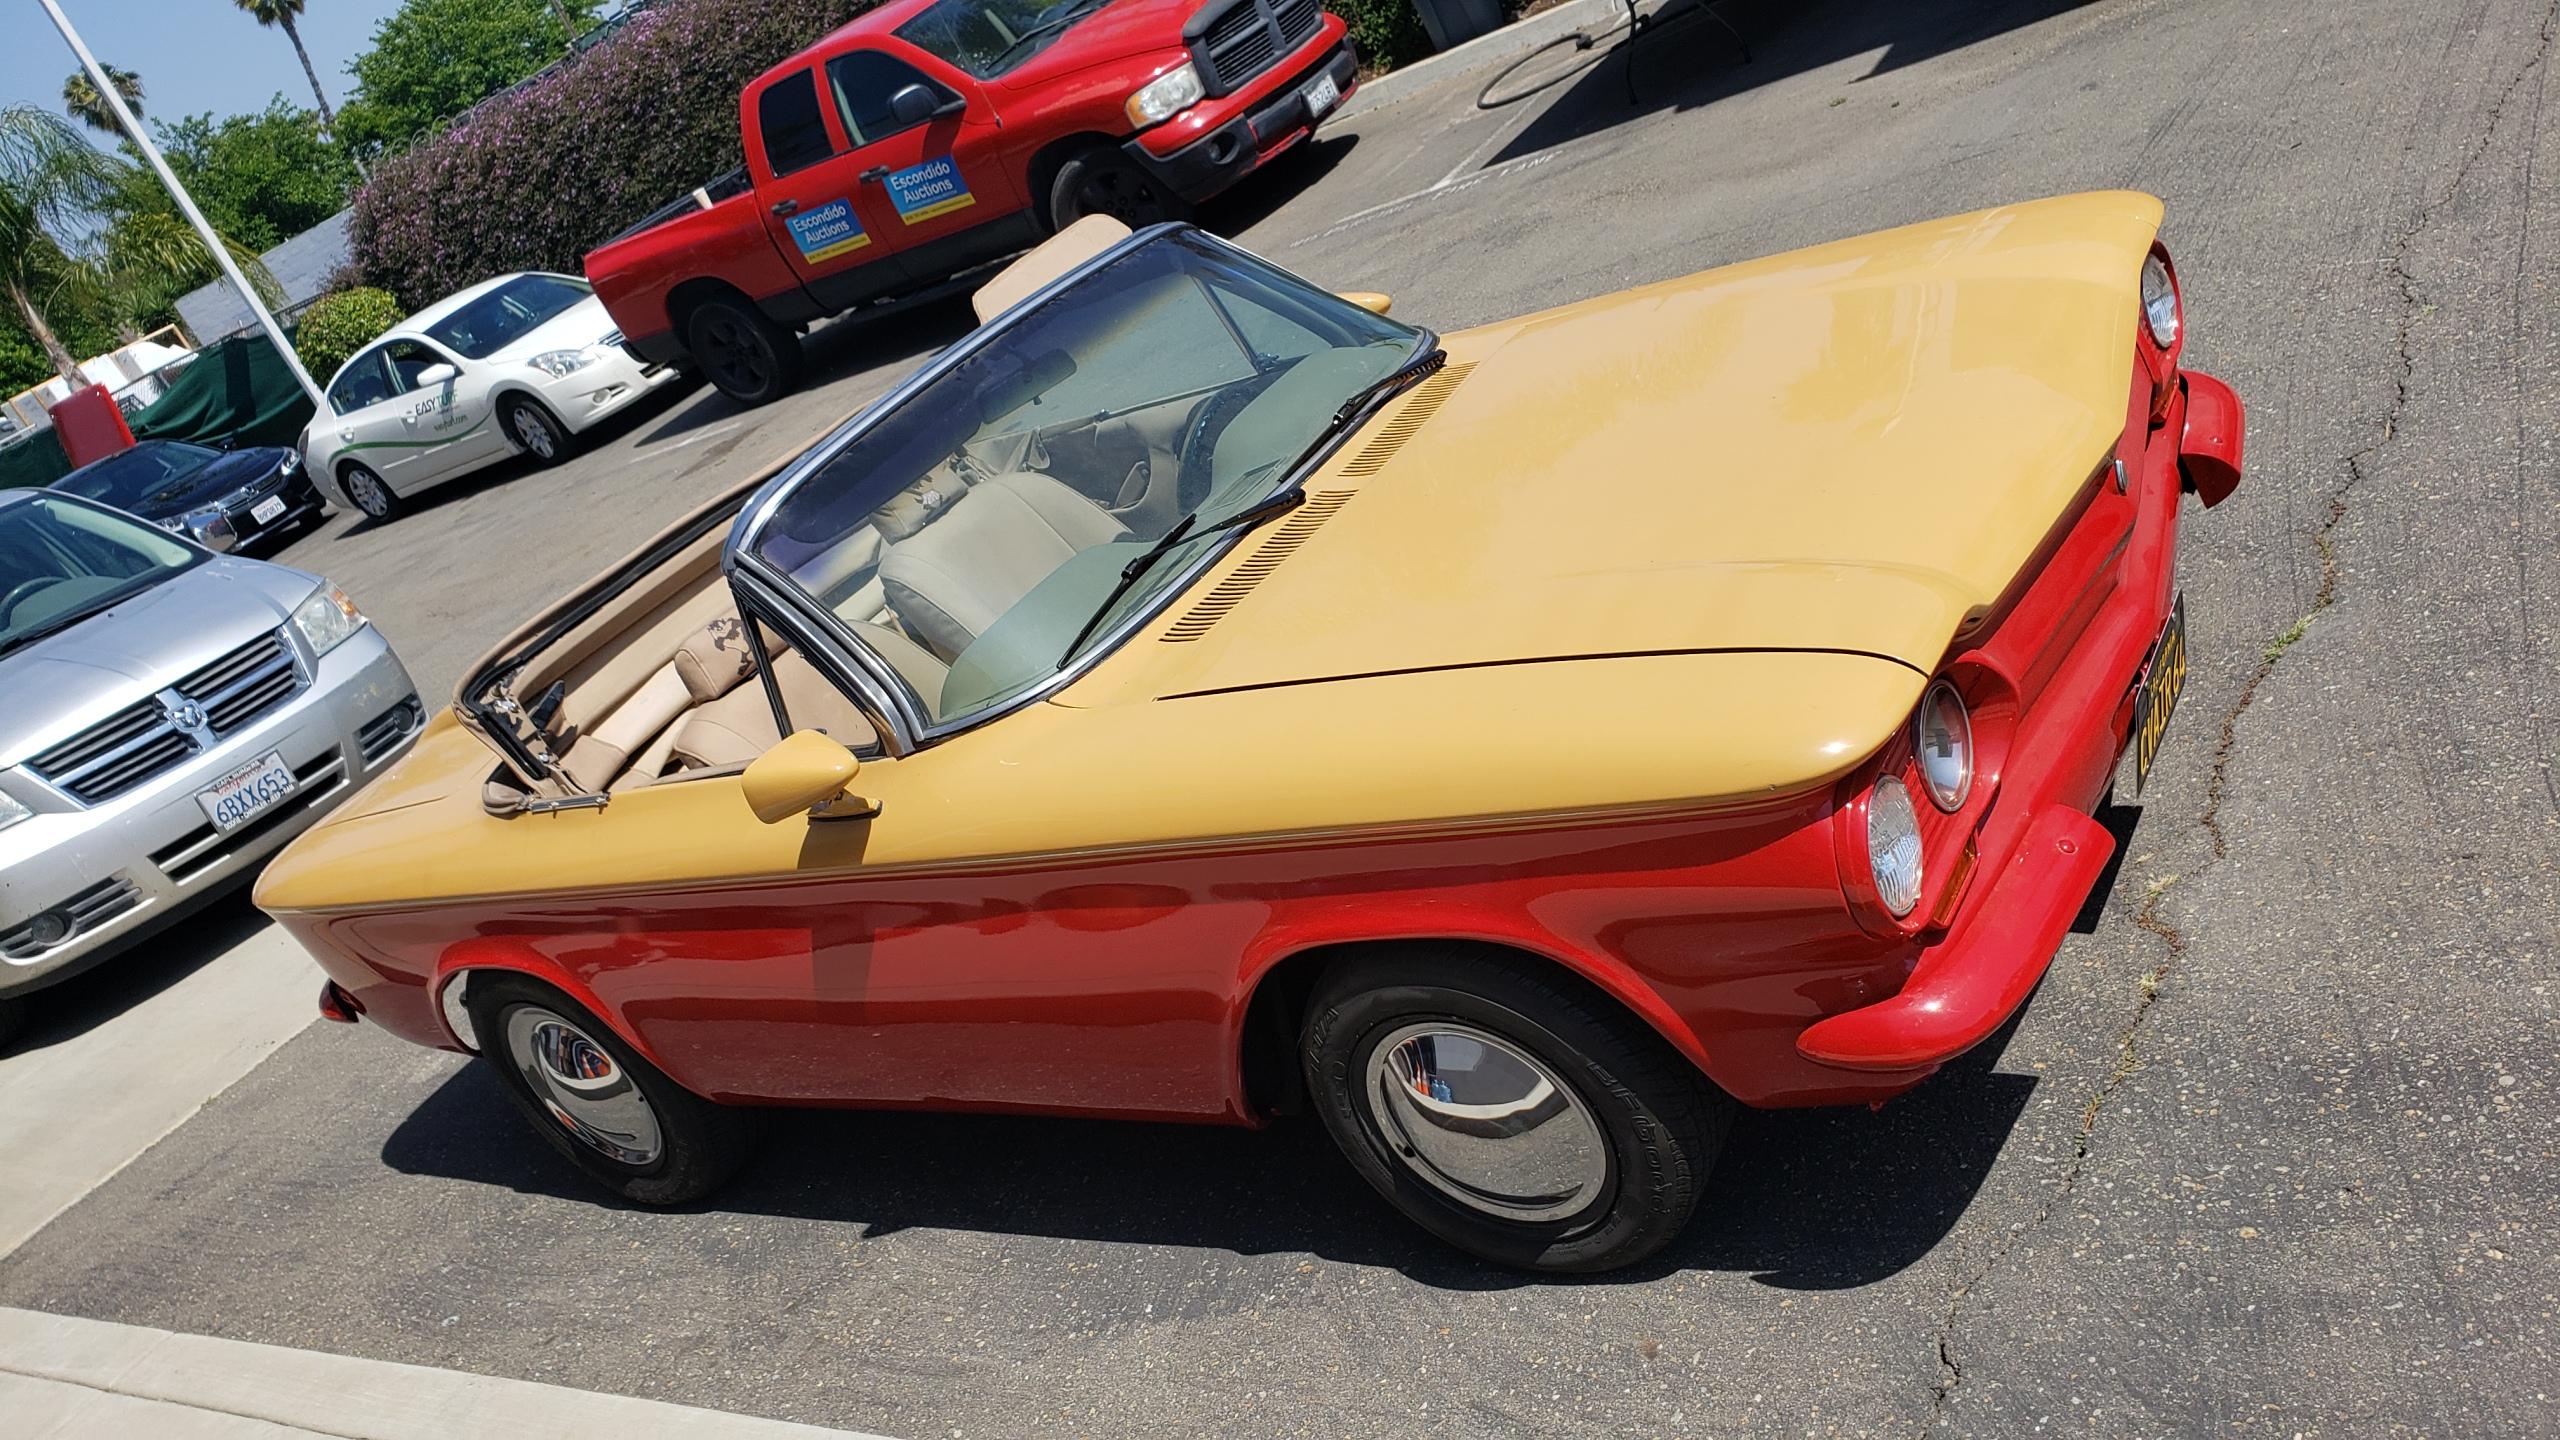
(931, 136)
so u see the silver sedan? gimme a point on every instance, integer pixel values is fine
(168, 718)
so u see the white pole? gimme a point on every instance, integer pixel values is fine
(186, 203)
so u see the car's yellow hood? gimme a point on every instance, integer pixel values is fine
(1847, 448)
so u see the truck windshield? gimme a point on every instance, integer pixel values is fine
(989, 37)
(985, 531)
(507, 314)
(61, 562)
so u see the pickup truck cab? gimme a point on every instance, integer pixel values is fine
(932, 136)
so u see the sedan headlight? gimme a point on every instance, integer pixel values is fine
(556, 363)
(327, 618)
(12, 810)
(2159, 302)
(1166, 96)
(1942, 737)
(292, 463)
(1893, 845)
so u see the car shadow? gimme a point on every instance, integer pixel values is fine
(168, 951)
(1263, 193)
(1800, 1200)
(1693, 55)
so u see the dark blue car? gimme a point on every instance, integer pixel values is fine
(221, 499)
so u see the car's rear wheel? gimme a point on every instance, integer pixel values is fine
(1102, 181)
(742, 351)
(598, 1102)
(1510, 1111)
(369, 493)
(537, 433)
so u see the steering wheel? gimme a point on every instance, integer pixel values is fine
(26, 590)
(1200, 438)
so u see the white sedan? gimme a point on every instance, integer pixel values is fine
(515, 365)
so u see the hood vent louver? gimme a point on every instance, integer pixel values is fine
(1400, 426)
(1282, 542)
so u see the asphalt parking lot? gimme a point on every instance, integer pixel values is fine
(2271, 1153)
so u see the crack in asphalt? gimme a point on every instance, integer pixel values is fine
(2173, 941)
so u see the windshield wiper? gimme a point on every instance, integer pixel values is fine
(1186, 528)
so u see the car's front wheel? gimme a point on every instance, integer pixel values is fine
(1510, 1111)
(742, 351)
(612, 1113)
(369, 493)
(536, 432)
(13, 1020)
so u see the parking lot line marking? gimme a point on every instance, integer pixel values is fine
(1445, 187)
(696, 438)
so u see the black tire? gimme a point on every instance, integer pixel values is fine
(700, 1144)
(1102, 181)
(1652, 1124)
(536, 433)
(14, 1013)
(740, 349)
(368, 493)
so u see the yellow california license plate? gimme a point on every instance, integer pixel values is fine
(2164, 677)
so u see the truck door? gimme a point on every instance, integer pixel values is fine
(926, 148)
(828, 225)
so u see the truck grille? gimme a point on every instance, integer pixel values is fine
(142, 740)
(1247, 37)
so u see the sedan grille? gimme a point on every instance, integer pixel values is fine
(1249, 37)
(144, 739)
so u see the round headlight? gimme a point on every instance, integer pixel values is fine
(2159, 302)
(1893, 845)
(1942, 738)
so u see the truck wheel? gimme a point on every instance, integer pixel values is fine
(1518, 1118)
(612, 1113)
(1102, 181)
(739, 349)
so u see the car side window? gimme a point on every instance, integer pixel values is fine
(408, 358)
(863, 81)
(795, 137)
(367, 381)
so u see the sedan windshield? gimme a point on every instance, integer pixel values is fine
(989, 37)
(986, 531)
(61, 561)
(135, 479)
(507, 314)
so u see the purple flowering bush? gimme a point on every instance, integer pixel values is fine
(536, 179)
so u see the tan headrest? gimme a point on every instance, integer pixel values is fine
(713, 659)
(917, 506)
(1047, 261)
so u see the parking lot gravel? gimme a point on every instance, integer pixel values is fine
(2271, 1153)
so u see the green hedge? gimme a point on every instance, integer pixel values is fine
(337, 326)
(1388, 32)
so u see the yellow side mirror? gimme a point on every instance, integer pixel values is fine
(807, 774)
(1370, 300)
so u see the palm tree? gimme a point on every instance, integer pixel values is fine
(80, 96)
(281, 13)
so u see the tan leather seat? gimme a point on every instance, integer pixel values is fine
(738, 727)
(951, 579)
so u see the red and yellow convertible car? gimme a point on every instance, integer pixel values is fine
(1197, 696)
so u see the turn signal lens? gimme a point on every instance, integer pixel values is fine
(1893, 845)
(2159, 302)
(1942, 738)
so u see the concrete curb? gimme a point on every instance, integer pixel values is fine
(1517, 38)
(97, 1379)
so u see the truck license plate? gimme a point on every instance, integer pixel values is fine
(1322, 96)
(236, 797)
(266, 511)
(2162, 682)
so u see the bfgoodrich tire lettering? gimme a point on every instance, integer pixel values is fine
(1655, 1123)
(688, 1147)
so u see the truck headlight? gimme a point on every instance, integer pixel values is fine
(1893, 845)
(1942, 738)
(556, 363)
(1166, 96)
(2159, 302)
(326, 618)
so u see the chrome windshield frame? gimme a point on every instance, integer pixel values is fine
(823, 636)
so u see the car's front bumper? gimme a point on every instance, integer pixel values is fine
(112, 872)
(1273, 115)
(611, 384)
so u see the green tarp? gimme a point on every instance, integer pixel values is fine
(238, 392)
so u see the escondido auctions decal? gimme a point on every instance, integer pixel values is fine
(827, 232)
(933, 188)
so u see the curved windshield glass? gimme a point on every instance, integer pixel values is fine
(61, 561)
(993, 526)
(989, 37)
(507, 314)
(135, 479)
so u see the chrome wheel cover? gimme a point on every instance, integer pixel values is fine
(582, 1087)
(534, 433)
(368, 493)
(1482, 1121)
